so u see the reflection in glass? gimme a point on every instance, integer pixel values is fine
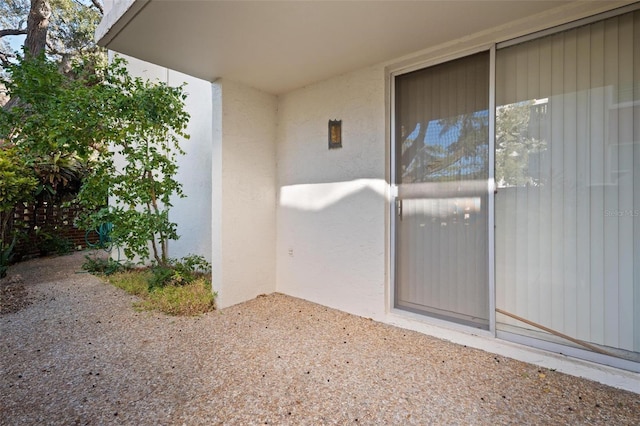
(443, 122)
(442, 132)
(520, 141)
(567, 210)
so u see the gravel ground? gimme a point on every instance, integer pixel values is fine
(78, 353)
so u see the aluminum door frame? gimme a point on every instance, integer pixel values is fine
(491, 187)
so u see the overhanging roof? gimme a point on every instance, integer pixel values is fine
(277, 46)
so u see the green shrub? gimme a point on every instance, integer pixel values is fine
(192, 264)
(160, 277)
(179, 271)
(104, 266)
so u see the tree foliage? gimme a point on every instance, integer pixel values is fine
(140, 169)
(515, 144)
(121, 133)
(17, 182)
(73, 117)
(49, 125)
(13, 22)
(69, 32)
(55, 112)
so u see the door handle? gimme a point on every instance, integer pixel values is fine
(399, 207)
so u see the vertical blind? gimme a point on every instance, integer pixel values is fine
(442, 116)
(568, 175)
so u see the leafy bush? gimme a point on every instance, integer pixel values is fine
(17, 182)
(145, 120)
(190, 267)
(193, 263)
(160, 277)
(103, 266)
(179, 272)
(69, 128)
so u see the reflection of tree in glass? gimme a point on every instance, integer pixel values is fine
(447, 149)
(409, 149)
(515, 144)
(467, 155)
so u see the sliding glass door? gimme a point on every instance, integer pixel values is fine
(566, 213)
(441, 171)
(568, 176)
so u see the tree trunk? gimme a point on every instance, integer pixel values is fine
(37, 25)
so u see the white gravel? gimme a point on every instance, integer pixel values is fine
(80, 354)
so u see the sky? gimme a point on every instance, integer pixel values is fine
(16, 42)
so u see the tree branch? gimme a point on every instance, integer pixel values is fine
(98, 6)
(52, 50)
(4, 60)
(12, 32)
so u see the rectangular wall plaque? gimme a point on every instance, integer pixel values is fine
(335, 134)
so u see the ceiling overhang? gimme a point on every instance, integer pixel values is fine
(278, 46)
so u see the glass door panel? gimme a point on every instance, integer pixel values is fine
(441, 171)
(568, 176)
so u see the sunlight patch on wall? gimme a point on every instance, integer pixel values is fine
(319, 196)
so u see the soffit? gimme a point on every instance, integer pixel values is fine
(280, 46)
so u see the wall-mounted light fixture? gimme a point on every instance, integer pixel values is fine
(335, 134)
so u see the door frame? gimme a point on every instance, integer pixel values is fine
(393, 198)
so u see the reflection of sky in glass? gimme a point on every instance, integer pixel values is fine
(435, 137)
(413, 135)
(439, 137)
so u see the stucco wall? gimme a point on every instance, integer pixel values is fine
(331, 203)
(244, 178)
(193, 213)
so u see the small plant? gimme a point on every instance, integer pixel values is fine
(179, 272)
(104, 266)
(193, 263)
(160, 277)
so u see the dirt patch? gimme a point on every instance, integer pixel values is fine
(13, 295)
(17, 289)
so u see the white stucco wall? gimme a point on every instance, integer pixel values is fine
(193, 213)
(244, 177)
(333, 221)
(331, 203)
